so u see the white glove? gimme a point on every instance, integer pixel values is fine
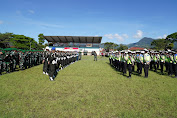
(53, 62)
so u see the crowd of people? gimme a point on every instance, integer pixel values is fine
(12, 59)
(153, 60)
(55, 61)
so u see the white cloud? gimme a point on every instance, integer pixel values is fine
(31, 11)
(1, 22)
(109, 36)
(120, 38)
(138, 35)
(125, 36)
(162, 37)
(50, 25)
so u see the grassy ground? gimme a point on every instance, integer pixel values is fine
(87, 89)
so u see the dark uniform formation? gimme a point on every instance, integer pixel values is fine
(12, 59)
(152, 60)
(54, 61)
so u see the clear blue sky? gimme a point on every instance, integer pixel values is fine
(119, 21)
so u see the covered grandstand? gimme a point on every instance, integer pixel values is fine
(84, 44)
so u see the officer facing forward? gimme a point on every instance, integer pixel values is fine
(52, 64)
(129, 64)
(147, 60)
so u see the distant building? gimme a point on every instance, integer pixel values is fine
(84, 44)
(136, 48)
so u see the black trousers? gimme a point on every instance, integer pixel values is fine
(155, 66)
(95, 58)
(111, 61)
(133, 68)
(146, 67)
(140, 68)
(167, 66)
(45, 66)
(170, 68)
(124, 67)
(151, 63)
(118, 65)
(175, 65)
(1, 67)
(129, 66)
(158, 64)
(161, 66)
(121, 66)
(52, 70)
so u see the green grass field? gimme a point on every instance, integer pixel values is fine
(87, 89)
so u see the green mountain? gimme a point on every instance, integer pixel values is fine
(144, 43)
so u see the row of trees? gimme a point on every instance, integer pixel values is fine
(159, 44)
(111, 45)
(164, 44)
(21, 41)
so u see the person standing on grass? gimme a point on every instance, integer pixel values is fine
(141, 62)
(170, 68)
(45, 61)
(162, 62)
(125, 58)
(95, 56)
(147, 60)
(52, 64)
(1, 61)
(175, 63)
(129, 64)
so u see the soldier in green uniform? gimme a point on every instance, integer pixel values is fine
(21, 59)
(7, 60)
(1, 61)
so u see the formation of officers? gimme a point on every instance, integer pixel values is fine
(13, 59)
(153, 60)
(55, 61)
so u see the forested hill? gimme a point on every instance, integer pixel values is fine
(144, 43)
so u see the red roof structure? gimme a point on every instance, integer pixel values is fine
(136, 48)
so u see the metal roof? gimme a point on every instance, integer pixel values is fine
(74, 39)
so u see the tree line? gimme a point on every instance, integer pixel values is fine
(159, 44)
(21, 41)
(164, 44)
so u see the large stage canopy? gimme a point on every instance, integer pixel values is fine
(73, 39)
